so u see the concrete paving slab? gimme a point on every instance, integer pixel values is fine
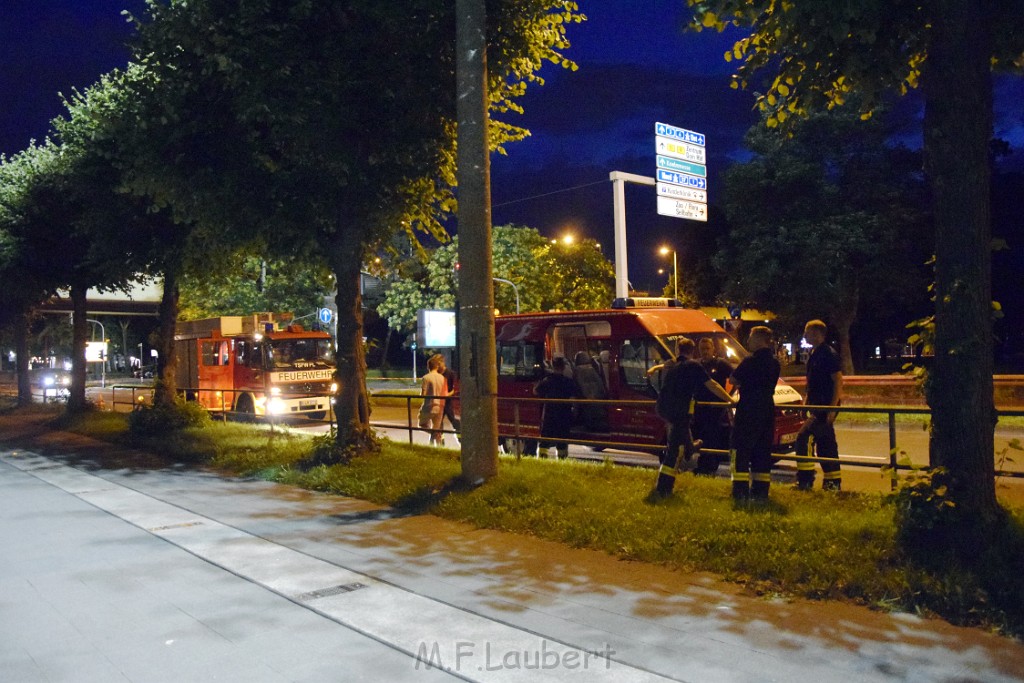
(678, 625)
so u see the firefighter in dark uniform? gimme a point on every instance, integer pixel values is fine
(683, 378)
(710, 423)
(818, 433)
(556, 418)
(754, 428)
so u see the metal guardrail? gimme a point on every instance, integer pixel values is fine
(141, 395)
(892, 464)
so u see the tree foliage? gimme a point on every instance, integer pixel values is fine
(831, 220)
(548, 276)
(244, 283)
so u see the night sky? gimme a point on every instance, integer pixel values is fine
(637, 67)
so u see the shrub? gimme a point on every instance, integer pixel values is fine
(183, 414)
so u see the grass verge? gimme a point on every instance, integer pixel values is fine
(814, 545)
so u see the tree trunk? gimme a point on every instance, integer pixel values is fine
(352, 405)
(79, 331)
(477, 354)
(843, 320)
(166, 385)
(958, 129)
(21, 324)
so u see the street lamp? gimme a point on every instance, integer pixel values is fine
(514, 289)
(675, 271)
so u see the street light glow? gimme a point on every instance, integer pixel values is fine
(665, 251)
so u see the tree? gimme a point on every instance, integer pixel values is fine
(816, 53)
(828, 220)
(65, 216)
(263, 121)
(104, 125)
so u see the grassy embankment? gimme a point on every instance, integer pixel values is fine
(816, 545)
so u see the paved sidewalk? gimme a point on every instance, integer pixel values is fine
(171, 574)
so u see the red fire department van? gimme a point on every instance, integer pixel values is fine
(610, 352)
(257, 364)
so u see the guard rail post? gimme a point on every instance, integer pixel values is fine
(517, 444)
(892, 450)
(408, 415)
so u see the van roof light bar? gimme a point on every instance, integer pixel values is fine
(646, 302)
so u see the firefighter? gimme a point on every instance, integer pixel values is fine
(683, 378)
(818, 433)
(711, 423)
(750, 451)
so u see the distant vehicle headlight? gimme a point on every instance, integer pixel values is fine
(49, 380)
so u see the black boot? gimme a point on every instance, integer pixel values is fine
(740, 490)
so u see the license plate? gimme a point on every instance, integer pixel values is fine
(788, 438)
(307, 404)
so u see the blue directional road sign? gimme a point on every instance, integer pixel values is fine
(683, 179)
(665, 130)
(325, 316)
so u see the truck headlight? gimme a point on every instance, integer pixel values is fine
(334, 387)
(275, 406)
(275, 391)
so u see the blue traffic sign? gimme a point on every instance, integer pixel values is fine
(683, 179)
(325, 316)
(668, 131)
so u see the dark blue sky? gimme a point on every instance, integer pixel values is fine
(637, 66)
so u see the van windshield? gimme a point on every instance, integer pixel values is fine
(725, 346)
(301, 353)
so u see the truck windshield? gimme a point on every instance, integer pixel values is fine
(725, 346)
(301, 353)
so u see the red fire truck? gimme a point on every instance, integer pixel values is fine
(610, 352)
(257, 364)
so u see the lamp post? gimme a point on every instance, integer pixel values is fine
(514, 289)
(675, 271)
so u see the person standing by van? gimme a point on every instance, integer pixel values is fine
(683, 378)
(754, 428)
(818, 433)
(710, 423)
(452, 384)
(431, 411)
(556, 418)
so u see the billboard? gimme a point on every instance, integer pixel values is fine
(435, 329)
